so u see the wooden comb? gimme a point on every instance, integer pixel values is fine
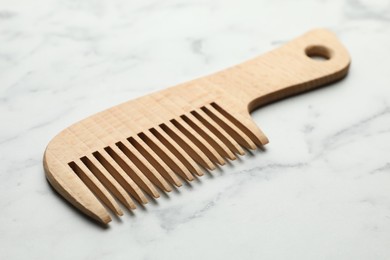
(162, 139)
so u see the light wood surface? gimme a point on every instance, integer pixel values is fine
(145, 146)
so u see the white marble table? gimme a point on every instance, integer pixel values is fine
(319, 191)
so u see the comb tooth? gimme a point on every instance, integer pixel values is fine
(140, 158)
(152, 157)
(144, 163)
(73, 188)
(198, 140)
(218, 131)
(116, 171)
(101, 173)
(248, 127)
(235, 132)
(95, 186)
(175, 149)
(122, 181)
(188, 145)
(135, 174)
(112, 134)
(181, 106)
(214, 141)
(165, 155)
(106, 178)
(155, 160)
(171, 145)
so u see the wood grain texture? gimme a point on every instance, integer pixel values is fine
(145, 145)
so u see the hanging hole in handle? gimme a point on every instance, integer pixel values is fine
(318, 53)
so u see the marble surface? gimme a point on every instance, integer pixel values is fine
(320, 190)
